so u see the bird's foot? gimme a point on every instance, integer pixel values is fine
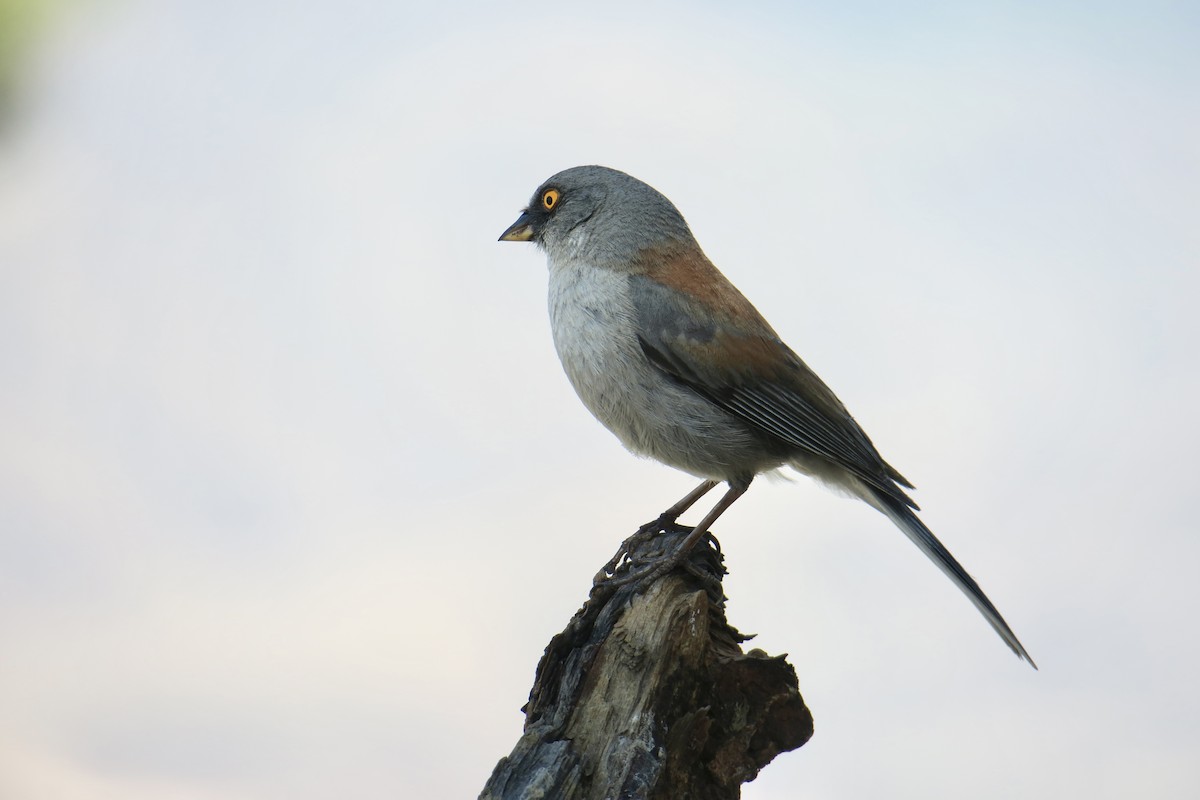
(627, 555)
(634, 564)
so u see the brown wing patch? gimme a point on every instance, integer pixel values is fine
(688, 270)
(702, 331)
(750, 358)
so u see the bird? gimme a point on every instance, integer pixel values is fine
(674, 360)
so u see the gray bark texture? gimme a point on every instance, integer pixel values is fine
(647, 694)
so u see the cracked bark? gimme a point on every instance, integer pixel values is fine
(647, 694)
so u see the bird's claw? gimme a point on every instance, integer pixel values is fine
(624, 558)
(628, 567)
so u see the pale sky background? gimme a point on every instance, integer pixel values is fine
(293, 491)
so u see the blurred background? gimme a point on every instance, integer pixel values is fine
(293, 491)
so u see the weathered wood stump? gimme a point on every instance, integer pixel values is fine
(647, 693)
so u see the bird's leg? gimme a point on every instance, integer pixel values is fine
(669, 561)
(652, 528)
(701, 530)
(689, 500)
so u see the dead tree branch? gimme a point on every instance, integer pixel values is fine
(647, 694)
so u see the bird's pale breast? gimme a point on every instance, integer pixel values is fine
(594, 328)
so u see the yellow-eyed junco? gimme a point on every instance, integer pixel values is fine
(676, 362)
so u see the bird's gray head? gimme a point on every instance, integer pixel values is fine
(597, 213)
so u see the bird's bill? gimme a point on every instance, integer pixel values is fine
(519, 231)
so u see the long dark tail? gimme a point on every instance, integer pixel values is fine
(923, 538)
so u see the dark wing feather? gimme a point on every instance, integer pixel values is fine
(739, 364)
(728, 354)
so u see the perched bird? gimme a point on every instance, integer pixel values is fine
(676, 362)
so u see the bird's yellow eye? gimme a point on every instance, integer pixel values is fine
(550, 199)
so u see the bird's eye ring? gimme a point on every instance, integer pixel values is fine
(550, 199)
